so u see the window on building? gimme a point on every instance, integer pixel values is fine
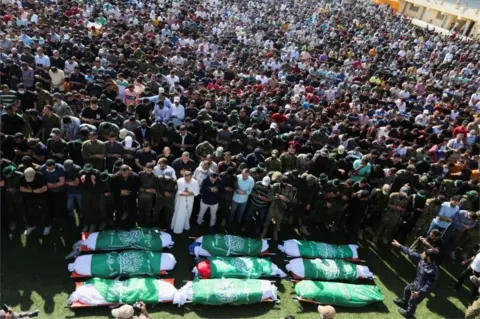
(440, 16)
(414, 8)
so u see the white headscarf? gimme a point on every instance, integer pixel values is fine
(128, 142)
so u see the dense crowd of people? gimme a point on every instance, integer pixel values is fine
(331, 115)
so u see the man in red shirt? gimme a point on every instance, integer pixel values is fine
(279, 117)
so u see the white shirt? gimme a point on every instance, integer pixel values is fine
(43, 60)
(476, 263)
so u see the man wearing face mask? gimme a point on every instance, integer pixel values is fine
(115, 118)
(26, 98)
(419, 289)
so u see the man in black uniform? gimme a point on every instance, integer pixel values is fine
(229, 180)
(146, 196)
(113, 151)
(14, 205)
(56, 146)
(125, 187)
(107, 204)
(33, 186)
(90, 204)
(165, 202)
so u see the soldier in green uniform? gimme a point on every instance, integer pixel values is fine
(432, 207)
(319, 139)
(165, 200)
(378, 202)
(450, 187)
(229, 180)
(203, 149)
(283, 194)
(334, 205)
(106, 200)
(317, 211)
(146, 195)
(158, 136)
(469, 201)
(14, 204)
(289, 160)
(258, 173)
(396, 208)
(273, 163)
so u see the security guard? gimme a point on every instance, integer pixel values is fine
(427, 275)
(282, 195)
(146, 195)
(165, 199)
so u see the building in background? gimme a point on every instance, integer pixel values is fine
(460, 16)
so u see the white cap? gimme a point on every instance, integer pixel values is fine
(341, 149)
(124, 312)
(176, 99)
(161, 90)
(273, 125)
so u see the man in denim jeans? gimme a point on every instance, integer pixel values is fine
(71, 185)
(245, 185)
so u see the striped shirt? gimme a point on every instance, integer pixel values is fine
(262, 190)
(8, 98)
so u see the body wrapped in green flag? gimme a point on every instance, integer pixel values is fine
(97, 291)
(129, 263)
(313, 249)
(226, 292)
(338, 294)
(327, 269)
(237, 267)
(228, 245)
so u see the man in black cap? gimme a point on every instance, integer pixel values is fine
(427, 275)
(55, 176)
(33, 186)
(90, 203)
(211, 189)
(56, 146)
(113, 151)
(72, 182)
(165, 202)
(14, 205)
(146, 195)
(125, 186)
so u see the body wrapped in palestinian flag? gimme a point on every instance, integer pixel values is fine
(237, 267)
(97, 291)
(226, 292)
(228, 245)
(139, 238)
(327, 269)
(338, 294)
(313, 249)
(129, 263)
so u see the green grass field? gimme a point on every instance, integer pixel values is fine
(34, 275)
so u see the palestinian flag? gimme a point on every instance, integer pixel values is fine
(97, 291)
(228, 245)
(327, 269)
(237, 267)
(150, 239)
(129, 263)
(338, 294)
(226, 292)
(313, 249)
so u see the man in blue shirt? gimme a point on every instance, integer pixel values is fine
(55, 175)
(447, 212)
(245, 185)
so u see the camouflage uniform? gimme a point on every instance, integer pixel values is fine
(432, 207)
(474, 310)
(378, 203)
(392, 218)
(273, 164)
(289, 162)
(257, 173)
(203, 149)
(469, 201)
(278, 208)
(449, 188)
(164, 204)
(145, 199)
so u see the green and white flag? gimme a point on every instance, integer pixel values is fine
(338, 294)
(237, 267)
(98, 291)
(313, 249)
(130, 263)
(327, 269)
(229, 245)
(226, 292)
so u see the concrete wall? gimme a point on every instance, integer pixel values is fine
(415, 14)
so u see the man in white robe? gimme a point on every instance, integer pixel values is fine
(187, 190)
